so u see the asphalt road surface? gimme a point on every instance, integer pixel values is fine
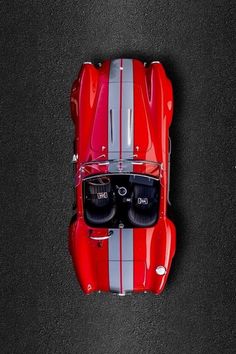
(43, 44)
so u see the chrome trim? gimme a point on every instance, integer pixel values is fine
(130, 125)
(118, 173)
(100, 238)
(96, 162)
(96, 238)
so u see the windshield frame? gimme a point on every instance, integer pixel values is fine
(121, 164)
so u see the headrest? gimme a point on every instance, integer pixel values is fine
(99, 190)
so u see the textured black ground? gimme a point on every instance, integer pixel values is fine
(43, 44)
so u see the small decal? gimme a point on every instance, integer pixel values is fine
(143, 201)
(102, 195)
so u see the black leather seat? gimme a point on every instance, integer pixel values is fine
(100, 207)
(143, 211)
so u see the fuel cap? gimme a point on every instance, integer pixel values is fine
(160, 270)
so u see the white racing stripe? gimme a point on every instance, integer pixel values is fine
(121, 242)
(127, 260)
(114, 260)
(127, 112)
(114, 112)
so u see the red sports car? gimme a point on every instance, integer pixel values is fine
(121, 239)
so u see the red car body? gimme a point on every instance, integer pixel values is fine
(122, 110)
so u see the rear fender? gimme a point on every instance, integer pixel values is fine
(80, 250)
(164, 253)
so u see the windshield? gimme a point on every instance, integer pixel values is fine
(122, 166)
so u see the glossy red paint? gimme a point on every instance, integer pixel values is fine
(153, 109)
